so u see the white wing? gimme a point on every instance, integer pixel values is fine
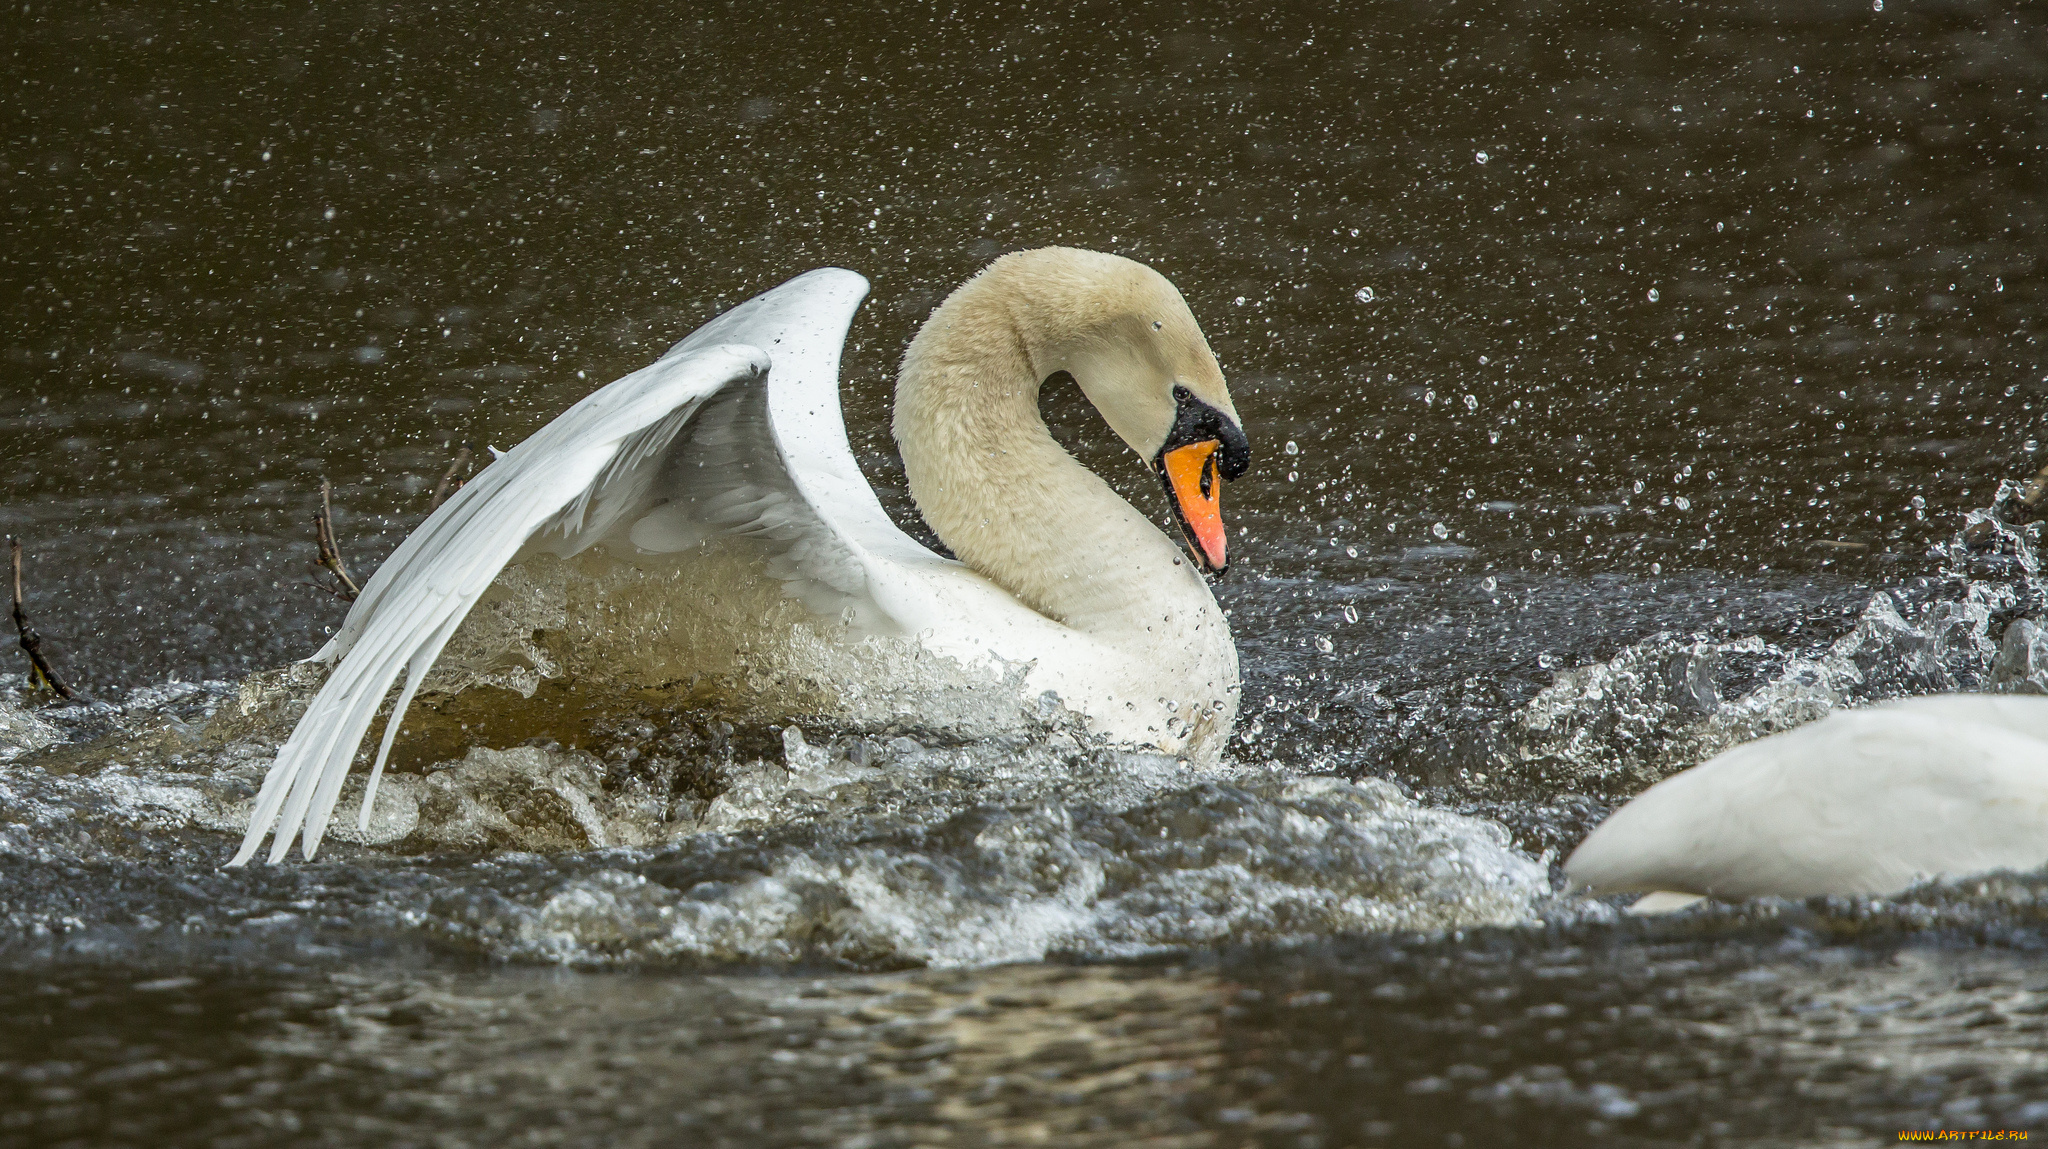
(700, 429)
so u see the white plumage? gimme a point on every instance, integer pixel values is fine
(733, 442)
(1867, 801)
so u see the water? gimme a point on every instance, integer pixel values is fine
(1618, 381)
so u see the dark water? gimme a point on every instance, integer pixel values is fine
(1556, 327)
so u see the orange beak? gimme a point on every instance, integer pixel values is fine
(1197, 492)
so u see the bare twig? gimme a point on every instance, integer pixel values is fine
(31, 642)
(442, 489)
(330, 555)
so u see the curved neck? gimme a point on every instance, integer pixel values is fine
(987, 475)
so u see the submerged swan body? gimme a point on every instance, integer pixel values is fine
(711, 502)
(1866, 802)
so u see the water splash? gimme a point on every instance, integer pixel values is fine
(1659, 706)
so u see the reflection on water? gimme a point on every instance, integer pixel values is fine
(1766, 1037)
(1666, 341)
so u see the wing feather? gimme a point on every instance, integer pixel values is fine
(565, 487)
(700, 443)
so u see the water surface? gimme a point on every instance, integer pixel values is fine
(1557, 328)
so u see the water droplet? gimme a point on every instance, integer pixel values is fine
(1877, 5)
(1682, 503)
(1429, 397)
(1919, 503)
(1351, 552)
(1489, 584)
(1654, 296)
(1440, 531)
(328, 214)
(1293, 448)
(1324, 644)
(1482, 157)
(1293, 475)
(1482, 360)
(2031, 445)
(1363, 294)
(1350, 613)
(1471, 402)
(1239, 301)
(1656, 568)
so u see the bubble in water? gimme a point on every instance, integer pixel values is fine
(1471, 402)
(1350, 613)
(1440, 531)
(1325, 645)
(1239, 301)
(1351, 552)
(1654, 297)
(1363, 295)
(1482, 157)
(1656, 568)
(1682, 503)
(1293, 448)
(1489, 584)
(1919, 503)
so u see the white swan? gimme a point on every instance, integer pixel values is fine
(1867, 801)
(704, 515)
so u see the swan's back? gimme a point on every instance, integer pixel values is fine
(1861, 802)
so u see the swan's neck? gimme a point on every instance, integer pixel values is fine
(1009, 501)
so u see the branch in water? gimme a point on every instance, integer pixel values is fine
(442, 489)
(31, 642)
(330, 555)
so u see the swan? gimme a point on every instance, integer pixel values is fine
(1862, 802)
(703, 517)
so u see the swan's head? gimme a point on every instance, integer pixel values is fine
(1127, 337)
